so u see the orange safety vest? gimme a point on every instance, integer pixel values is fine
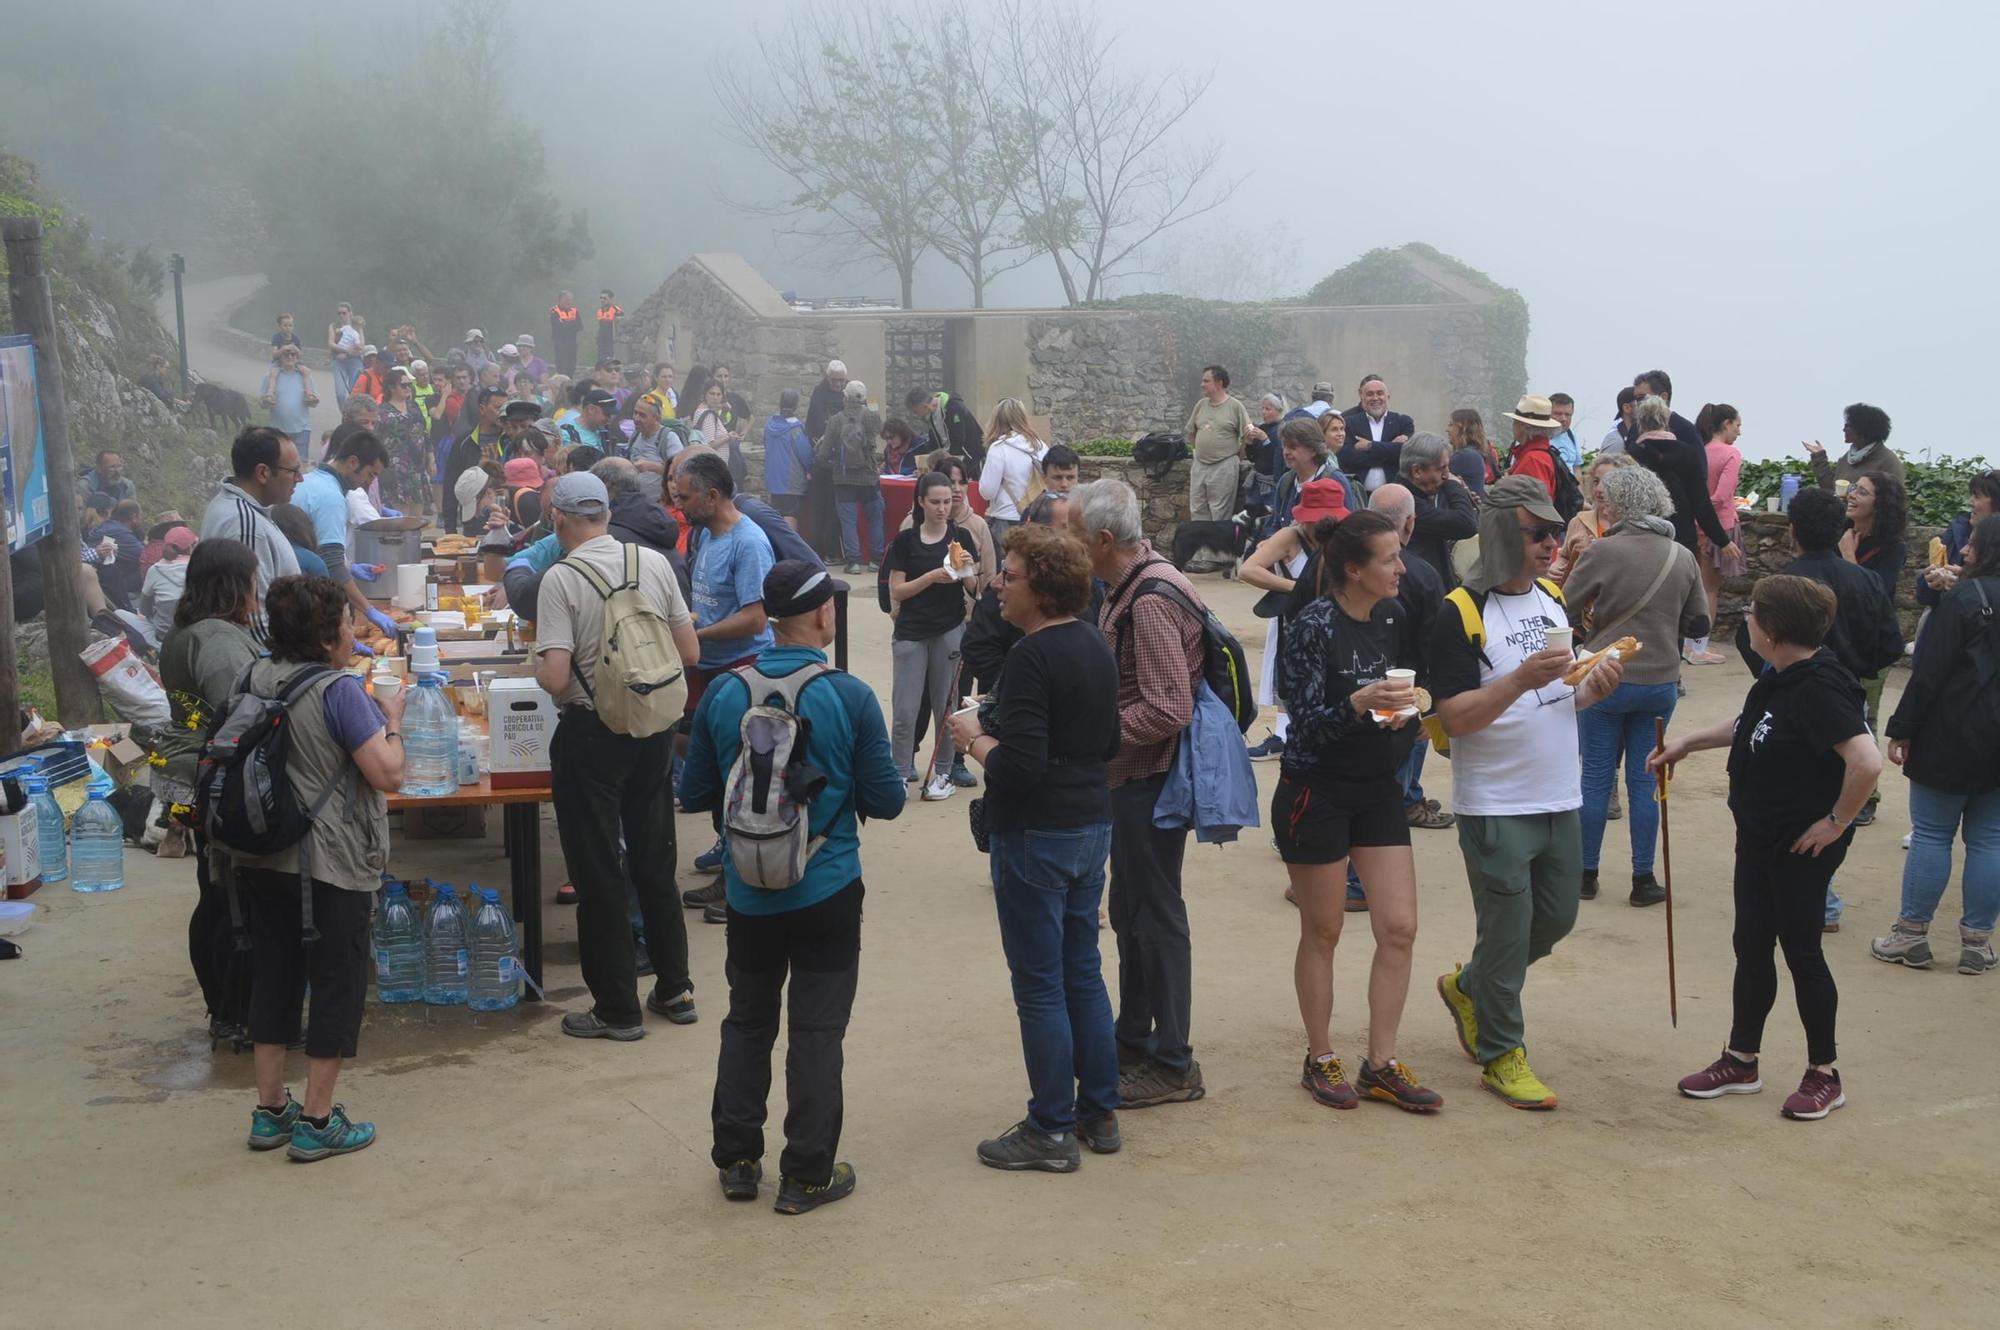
(564, 315)
(609, 315)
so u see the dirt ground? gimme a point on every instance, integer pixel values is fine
(570, 1179)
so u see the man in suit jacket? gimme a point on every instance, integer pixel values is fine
(1375, 436)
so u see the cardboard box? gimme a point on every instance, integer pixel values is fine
(21, 848)
(521, 719)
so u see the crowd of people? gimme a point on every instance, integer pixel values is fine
(1423, 590)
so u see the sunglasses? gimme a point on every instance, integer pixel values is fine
(1537, 534)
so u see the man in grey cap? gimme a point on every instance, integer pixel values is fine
(593, 415)
(1516, 780)
(605, 781)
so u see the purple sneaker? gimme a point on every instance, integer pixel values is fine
(1728, 1074)
(1818, 1095)
(1326, 1080)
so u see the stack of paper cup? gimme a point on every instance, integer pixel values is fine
(410, 585)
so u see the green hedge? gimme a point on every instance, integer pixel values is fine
(1103, 448)
(1937, 487)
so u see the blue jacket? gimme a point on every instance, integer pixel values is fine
(788, 456)
(1211, 787)
(848, 742)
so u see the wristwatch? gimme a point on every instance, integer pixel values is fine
(1835, 819)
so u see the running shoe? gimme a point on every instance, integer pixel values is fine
(1463, 1017)
(1511, 1079)
(796, 1197)
(1728, 1074)
(1818, 1095)
(1395, 1083)
(1907, 944)
(338, 1137)
(1326, 1081)
(1270, 750)
(270, 1130)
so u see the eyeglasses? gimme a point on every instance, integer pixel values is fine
(297, 471)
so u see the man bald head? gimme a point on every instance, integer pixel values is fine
(1399, 505)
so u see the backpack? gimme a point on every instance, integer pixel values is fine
(767, 800)
(1569, 495)
(1223, 664)
(1157, 452)
(1472, 618)
(243, 796)
(644, 682)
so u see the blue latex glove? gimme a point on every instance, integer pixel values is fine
(382, 621)
(389, 512)
(366, 572)
(363, 649)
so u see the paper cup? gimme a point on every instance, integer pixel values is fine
(1561, 639)
(388, 686)
(1407, 678)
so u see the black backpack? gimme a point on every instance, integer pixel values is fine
(1223, 665)
(1569, 495)
(243, 796)
(1157, 452)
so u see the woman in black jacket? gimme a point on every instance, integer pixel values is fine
(1682, 465)
(1945, 736)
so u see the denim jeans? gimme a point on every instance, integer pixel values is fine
(1624, 719)
(856, 506)
(1000, 526)
(345, 371)
(1934, 817)
(1046, 886)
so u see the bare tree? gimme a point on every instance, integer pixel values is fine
(974, 217)
(859, 145)
(1102, 172)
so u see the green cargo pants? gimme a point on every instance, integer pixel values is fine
(1525, 872)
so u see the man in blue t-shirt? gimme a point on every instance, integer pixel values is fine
(322, 496)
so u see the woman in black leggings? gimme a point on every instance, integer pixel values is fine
(1801, 763)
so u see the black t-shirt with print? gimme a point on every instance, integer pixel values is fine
(1784, 774)
(935, 610)
(1326, 656)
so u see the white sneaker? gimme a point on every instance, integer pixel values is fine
(939, 788)
(1906, 839)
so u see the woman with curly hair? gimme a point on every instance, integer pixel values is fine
(1878, 516)
(1048, 810)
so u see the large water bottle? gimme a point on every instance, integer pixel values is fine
(399, 948)
(1788, 488)
(445, 959)
(49, 826)
(496, 978)
(97, 846)
(430, 740)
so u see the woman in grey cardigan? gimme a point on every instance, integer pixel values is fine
(1637, 581)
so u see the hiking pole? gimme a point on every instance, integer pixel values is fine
(1667, 864)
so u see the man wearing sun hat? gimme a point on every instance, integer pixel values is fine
(1534, 425)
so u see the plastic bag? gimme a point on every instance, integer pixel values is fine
(127, 682)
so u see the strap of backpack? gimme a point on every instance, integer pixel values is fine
(308, 932)
(604, 590)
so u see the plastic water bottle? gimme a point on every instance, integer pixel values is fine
(430, 741)
(97, 846)
(399, 948)
(1788, 487)
(445, 959)
(49, 823)
(496, 980)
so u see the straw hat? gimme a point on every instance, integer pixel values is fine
(1535, 412)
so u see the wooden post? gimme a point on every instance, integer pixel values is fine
(10, 679)
(34, 311)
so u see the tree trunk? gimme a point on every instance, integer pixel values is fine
(978, 281)
(906, 274)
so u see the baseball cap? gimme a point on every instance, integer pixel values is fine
(467, 488)
(603, 397)
(418, 366)
(794, 586)
(1323, 386)
(511, 351)
(99, 500)
(474, 335)
(581, 494)
(371, 350)
(522, 406)
(1522, 492)
(547, 428)
(178, 538)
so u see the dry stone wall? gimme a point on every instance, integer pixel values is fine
(1098, 374)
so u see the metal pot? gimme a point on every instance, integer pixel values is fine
(388, 541)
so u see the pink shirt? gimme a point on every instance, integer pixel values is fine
(1724, 461)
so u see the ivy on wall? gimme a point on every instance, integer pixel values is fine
(1212, 332)
(1387, 277)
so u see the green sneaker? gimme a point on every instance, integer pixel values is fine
(1462, 1015)
(795, 1197)
(338, 1137)
(270, 1130)
(1514, 1082)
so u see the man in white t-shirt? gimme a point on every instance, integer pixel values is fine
(1515, 777)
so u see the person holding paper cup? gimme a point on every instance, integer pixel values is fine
(928, 568)
(1352, 699)
(1637, 581)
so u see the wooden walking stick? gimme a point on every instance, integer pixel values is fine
(1667, 864)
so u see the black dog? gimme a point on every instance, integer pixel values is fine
(223, 405)
(1232, 540)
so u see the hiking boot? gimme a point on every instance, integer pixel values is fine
(587, 1025)
(939, 788)
(1646, 890)
(703, 897)
(680, 1010)
(1616, 810)
(1589, 889)
(1151, 1084)
(1024, 1147)
(960, 775)
(1426, 818)
(740, 1179)
(795, 1197)
(1101, 1134)
(1394, 1083)
(710, 859)
(1463, 1017)
(1975, 951)
(717, 913)
(1326, 1081)
(642, 960)
(270, 1130)
(1818, 1095)
(1907, 944)
(1270, 750)
(1511, 1078)
(1866, 817)
(1728, 1074)
(338, 1137)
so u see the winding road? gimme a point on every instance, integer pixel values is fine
(218, 352)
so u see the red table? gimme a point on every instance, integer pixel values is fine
(899, 494)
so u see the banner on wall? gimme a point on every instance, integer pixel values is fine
(24, 471)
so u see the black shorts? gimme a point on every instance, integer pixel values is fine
(281, 963)
(1318, 818)
(788, 505)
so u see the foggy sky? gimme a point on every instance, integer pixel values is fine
(1786, 206)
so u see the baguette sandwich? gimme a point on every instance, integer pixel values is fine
(1623, 649)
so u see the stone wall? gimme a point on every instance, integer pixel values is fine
(1162, 506)
(1098, 374)
(1767, 547)
(695, 318)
